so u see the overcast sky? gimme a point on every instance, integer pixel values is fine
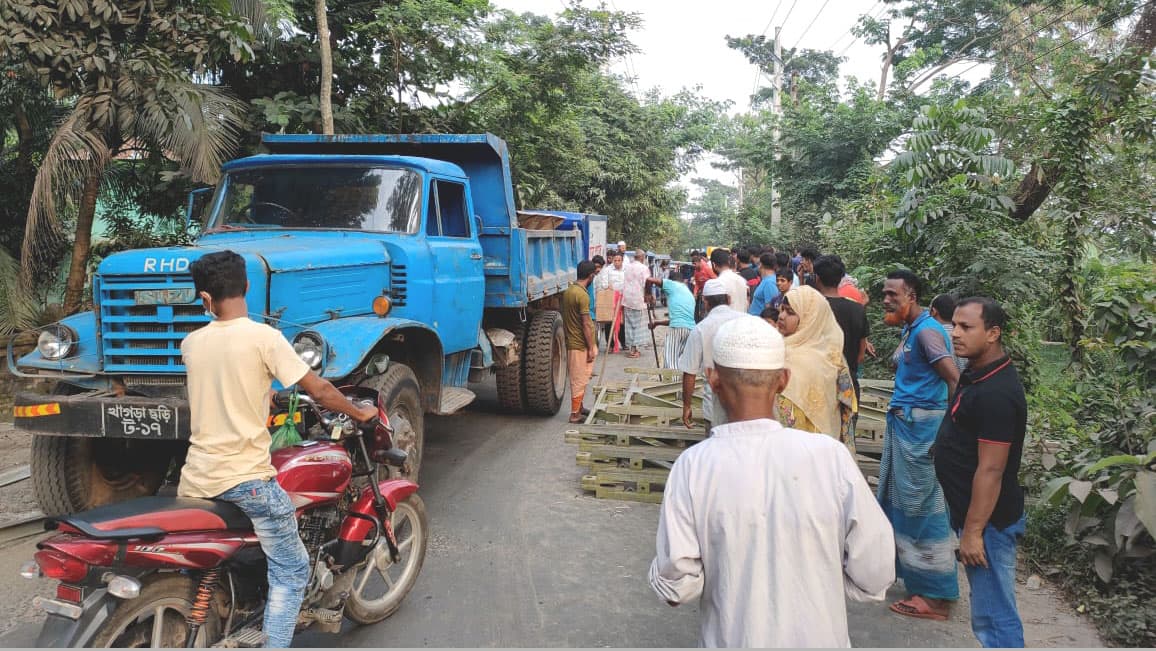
(682, 43)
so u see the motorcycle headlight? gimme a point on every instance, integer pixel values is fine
(56, 342)
(311, 348)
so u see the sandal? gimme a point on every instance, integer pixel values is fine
(919, 608)
(576, 418)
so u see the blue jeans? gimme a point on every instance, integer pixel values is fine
(275, 523)
(994, 618)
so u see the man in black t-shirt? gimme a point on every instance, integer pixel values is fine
(977, 461)
(852, 316)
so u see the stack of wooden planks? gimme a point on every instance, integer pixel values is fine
(634, 433)
(873, 399)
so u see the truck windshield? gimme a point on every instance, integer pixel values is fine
(357, 198)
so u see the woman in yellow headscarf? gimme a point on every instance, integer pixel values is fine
(820, 396)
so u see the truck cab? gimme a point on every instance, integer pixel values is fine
(389, 261)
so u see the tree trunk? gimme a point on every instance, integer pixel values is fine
(1038, 183)
(883, 77)
(326, 99)
(78, 269)
(24, 137)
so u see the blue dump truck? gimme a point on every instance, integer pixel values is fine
(390, 261)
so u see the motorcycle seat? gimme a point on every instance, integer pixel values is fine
(152, 517)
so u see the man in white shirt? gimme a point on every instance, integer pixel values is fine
(612, 277)
(720, 261)
(772, 526)
(696, 360)
(634, 301)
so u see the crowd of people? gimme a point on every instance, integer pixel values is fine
(771, 524)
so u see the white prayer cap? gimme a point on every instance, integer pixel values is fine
(621, 245)
(714, 287)
(749, 342)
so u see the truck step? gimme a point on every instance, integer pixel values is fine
(454, 399)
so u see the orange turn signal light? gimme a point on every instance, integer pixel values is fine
(381, 305)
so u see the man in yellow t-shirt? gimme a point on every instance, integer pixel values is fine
(231, 364)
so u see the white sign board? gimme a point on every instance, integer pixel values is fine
(597, 238)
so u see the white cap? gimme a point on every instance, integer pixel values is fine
(621, 245)
(749, 342)
(714, 287)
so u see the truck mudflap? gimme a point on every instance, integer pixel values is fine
(160, 419)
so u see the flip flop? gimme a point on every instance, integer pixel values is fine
(918, 607)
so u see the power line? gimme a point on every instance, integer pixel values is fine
(1007, 48)
(847, 32)
(631, 69)
(788, 16)
(774, 13)
(758, 68)
(810, 24)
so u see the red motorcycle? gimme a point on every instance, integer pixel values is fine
(172, 572)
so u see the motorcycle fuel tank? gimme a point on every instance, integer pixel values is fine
(313, 471)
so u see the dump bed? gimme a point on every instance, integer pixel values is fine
(520, 265)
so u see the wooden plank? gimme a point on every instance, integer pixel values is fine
(678, 432)
(13, 475)
(660, 372)
(652, 475)
(631, 452)
(673, 413)
(627, 496)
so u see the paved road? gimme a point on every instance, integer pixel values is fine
(521, 557)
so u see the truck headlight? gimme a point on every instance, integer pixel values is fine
(311, 348)
(56, 341)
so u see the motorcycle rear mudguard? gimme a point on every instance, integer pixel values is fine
(64, 632)
(359, 523)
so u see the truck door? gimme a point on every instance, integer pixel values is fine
(459, 276)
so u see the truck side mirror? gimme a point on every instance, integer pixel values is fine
(198, 200)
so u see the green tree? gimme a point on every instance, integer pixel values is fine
(129, 72)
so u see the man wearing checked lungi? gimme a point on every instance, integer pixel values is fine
(634, 301)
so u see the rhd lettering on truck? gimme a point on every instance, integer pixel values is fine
(166, 265)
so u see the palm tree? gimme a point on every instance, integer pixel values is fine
(196, 125)
(130, 80)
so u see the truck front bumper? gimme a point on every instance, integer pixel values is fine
(162, 419)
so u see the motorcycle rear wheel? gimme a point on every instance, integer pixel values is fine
(156, 619)
(411, 527)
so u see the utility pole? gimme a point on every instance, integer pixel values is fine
(776, 108)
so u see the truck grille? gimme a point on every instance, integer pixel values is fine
(145, 338)
(397, 284)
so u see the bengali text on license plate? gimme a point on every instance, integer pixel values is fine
(139, 422)
(164, 296)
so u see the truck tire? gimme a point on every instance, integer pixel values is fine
(511, 393)
(71, 474)
(544, 372)
(401, 393)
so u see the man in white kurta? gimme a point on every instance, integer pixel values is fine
(771, 526)
(696, 357)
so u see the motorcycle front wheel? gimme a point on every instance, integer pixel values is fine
(156, 619)
(380, 584)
